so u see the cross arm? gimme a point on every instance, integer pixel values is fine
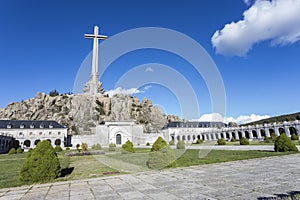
(102, 37)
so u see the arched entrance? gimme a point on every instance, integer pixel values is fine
(57, 142)
(36, 141)
(118, 139)
(27, 143)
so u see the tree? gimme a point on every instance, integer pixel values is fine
(294, 136)
(161, 155)
(127, 147)
(54, 93)
(244, 141)
(19, 150)
(284, 144)
(221, 141)
(12, 151)
(180, 144)
(84, 147)
(112, 147)
(42, 164)
(96, 147)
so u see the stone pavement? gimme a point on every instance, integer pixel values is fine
(248, 179)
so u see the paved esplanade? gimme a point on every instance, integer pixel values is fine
(249, 179)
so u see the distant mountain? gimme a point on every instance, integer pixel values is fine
(277, 119)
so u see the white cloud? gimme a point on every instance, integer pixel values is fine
(247, 2)
(216, 117)
(147, 87)
(149, 69)
(275, 20)
(120, 90)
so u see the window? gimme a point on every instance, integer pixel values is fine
(30, 133)
(40, 133)
(59, 133)
(22, 126)
(8, 126)
(50, 126)
(50, 133)
(31, 126)
(20, 133)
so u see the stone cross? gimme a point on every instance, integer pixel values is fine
(94, 74)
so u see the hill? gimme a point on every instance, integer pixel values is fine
(277, 119)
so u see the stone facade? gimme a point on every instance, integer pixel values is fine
(26, 133)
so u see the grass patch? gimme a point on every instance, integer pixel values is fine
(82, 167)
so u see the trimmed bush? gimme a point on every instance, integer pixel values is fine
(180, 144)
(96, 147)
(284, 144)
(221, 141)
(232, 139)
(41, 164)
(127, 147)
(161, 155)
(244, 141)
(172, 142)
(294, 137)
(67, 148)
(148, 144)
(112, 147)
(77, 147)
(12, 151)
(58, 148)
(19, 150)
(84, 147)
(268, 140)
(199, 141)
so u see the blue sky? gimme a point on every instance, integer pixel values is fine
(257, 52)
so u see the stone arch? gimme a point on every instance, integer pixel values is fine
(183, 137)
(178, 137)
(233, 135)
(194, 137)
(217, 136)
(203, 137)
(240, 134)
(27, 143)
(118, 138)
(247, 134)
(49, 141)
(227, 135)
(254, 133)
(15, 144)
(36, 141)
(281, 130)
(271, 131)
(188, 137)
(57, 142)
(262, 133)
(222, 135)
(293, 130)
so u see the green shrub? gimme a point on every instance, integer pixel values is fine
(268, 140)
(67, 148)
(12, 151)
(41, 165)
(127, 147)
(199, 141)
(96, 147)
(172, 142)
(161, 155)
(221, 141)
(233, 139)
(19, 150)
(112, 147)
(148, 144)
(77, 147)
(180, 144)
(58, 148)
(294, 137)
(84, 147)
(284, 144)
(244, 141)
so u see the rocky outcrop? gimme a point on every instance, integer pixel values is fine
(82, 112)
